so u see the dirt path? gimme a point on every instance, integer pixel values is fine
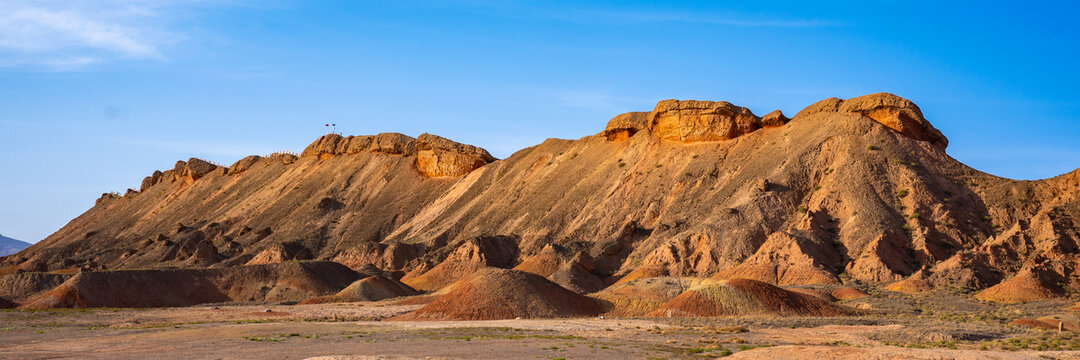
(894, 353)
(352, 331)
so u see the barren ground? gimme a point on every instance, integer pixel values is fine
(354, 330)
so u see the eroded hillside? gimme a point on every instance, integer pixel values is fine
(846, 189)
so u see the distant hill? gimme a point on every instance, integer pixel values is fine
(10, 246)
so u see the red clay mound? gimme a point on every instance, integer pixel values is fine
(641, 296)
(492, 293)
(291, 281)
(372, 288)
(1053, 322)
(848, 294)
(745, 297)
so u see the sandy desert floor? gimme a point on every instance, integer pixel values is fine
(353, 331)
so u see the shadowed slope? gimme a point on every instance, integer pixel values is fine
(20, 287)
(292, 281)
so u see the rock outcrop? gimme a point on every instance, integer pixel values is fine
(439, 157)
(890, 110)
(435, 156)
(151, 180)
(775, 118)
(244, 164)
(691, 121)
(625, 125)
(387, 143)
(194, 168)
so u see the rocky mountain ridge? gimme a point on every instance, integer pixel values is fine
(846, 190)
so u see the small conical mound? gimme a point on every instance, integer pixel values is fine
(641, 296)
(1026, 286)
(372, 288)
(915, 284)
(745, 297)
(574, 273)
(577, 277)
(847, 293)
(466, 259)
(492, 294)
(544, 263)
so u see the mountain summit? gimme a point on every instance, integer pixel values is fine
(846, 189)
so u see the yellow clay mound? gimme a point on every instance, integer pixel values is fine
(745, 297)
(648, 271)
(1023, 287)
(641, 296)
(911, 286)
(493, 293)
(372, 288)
(544, 263)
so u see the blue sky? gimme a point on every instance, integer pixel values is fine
(95, 95)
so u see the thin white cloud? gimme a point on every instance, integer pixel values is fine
(630, 15)
(72, 34)
(600, 100)
(704, 18)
